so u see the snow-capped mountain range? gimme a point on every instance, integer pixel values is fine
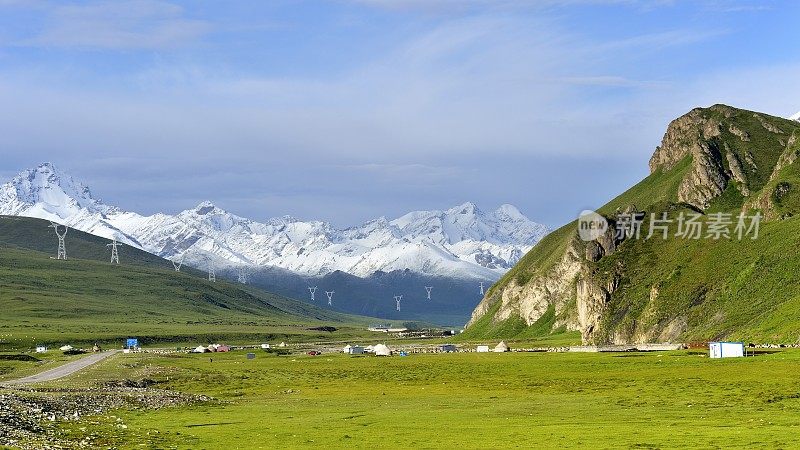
(461, 242)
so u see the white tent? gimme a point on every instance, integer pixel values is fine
(265, 346)
(282, 344)
(369, 349)
(483, 349)
(66, 348)
(200, 349)
(382, 350)
(347, 348)
(501, 347)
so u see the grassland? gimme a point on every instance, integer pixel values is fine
(86, 299)
(464, 400)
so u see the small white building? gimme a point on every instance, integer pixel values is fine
(725, 349)
(482, 349)
(353, 349)
(356, 350)
(264, 346)
(41, 349)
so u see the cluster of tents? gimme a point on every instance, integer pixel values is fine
(502, 347)
(68, 349)
(213, 348)
(383, 350)
(377, 350)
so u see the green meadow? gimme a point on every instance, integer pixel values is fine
(86, 299)
(463, 400)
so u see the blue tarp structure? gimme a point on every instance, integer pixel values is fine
(132, 343)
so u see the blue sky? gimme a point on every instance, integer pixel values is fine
(346, 110)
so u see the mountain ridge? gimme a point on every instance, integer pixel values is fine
(461, 242)
(718, 161)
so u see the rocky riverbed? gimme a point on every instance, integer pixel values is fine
(34, 418)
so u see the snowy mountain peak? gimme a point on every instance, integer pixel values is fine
(467, 209)
(49, 192)
(36, 184)
(796, 116)
(510, 212)
(461, 242)
(205, 207)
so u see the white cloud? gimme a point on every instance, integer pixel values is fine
(448, 107)
(474, 86)
(124, 24)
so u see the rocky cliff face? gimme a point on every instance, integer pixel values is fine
(571, 287)
(721, 141)
(699, 135)
(531, 300)
(722, 157)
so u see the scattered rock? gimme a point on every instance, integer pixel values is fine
(768, 126)
(743, 135)
(737, 172)
(30, 418)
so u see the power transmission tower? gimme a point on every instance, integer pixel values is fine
(177, 265)
(114, 252)
(428, 289)
(397, 299)
(330, 297)
(62, 249)
(212, 274)
(313, 290)
(481, 287)
(242, 275)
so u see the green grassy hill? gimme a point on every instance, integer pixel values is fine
(86, 299)
(713, 160)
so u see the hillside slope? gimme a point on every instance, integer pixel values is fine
(718, 162)
(86, 298)
(451, 303)
(453, 250)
